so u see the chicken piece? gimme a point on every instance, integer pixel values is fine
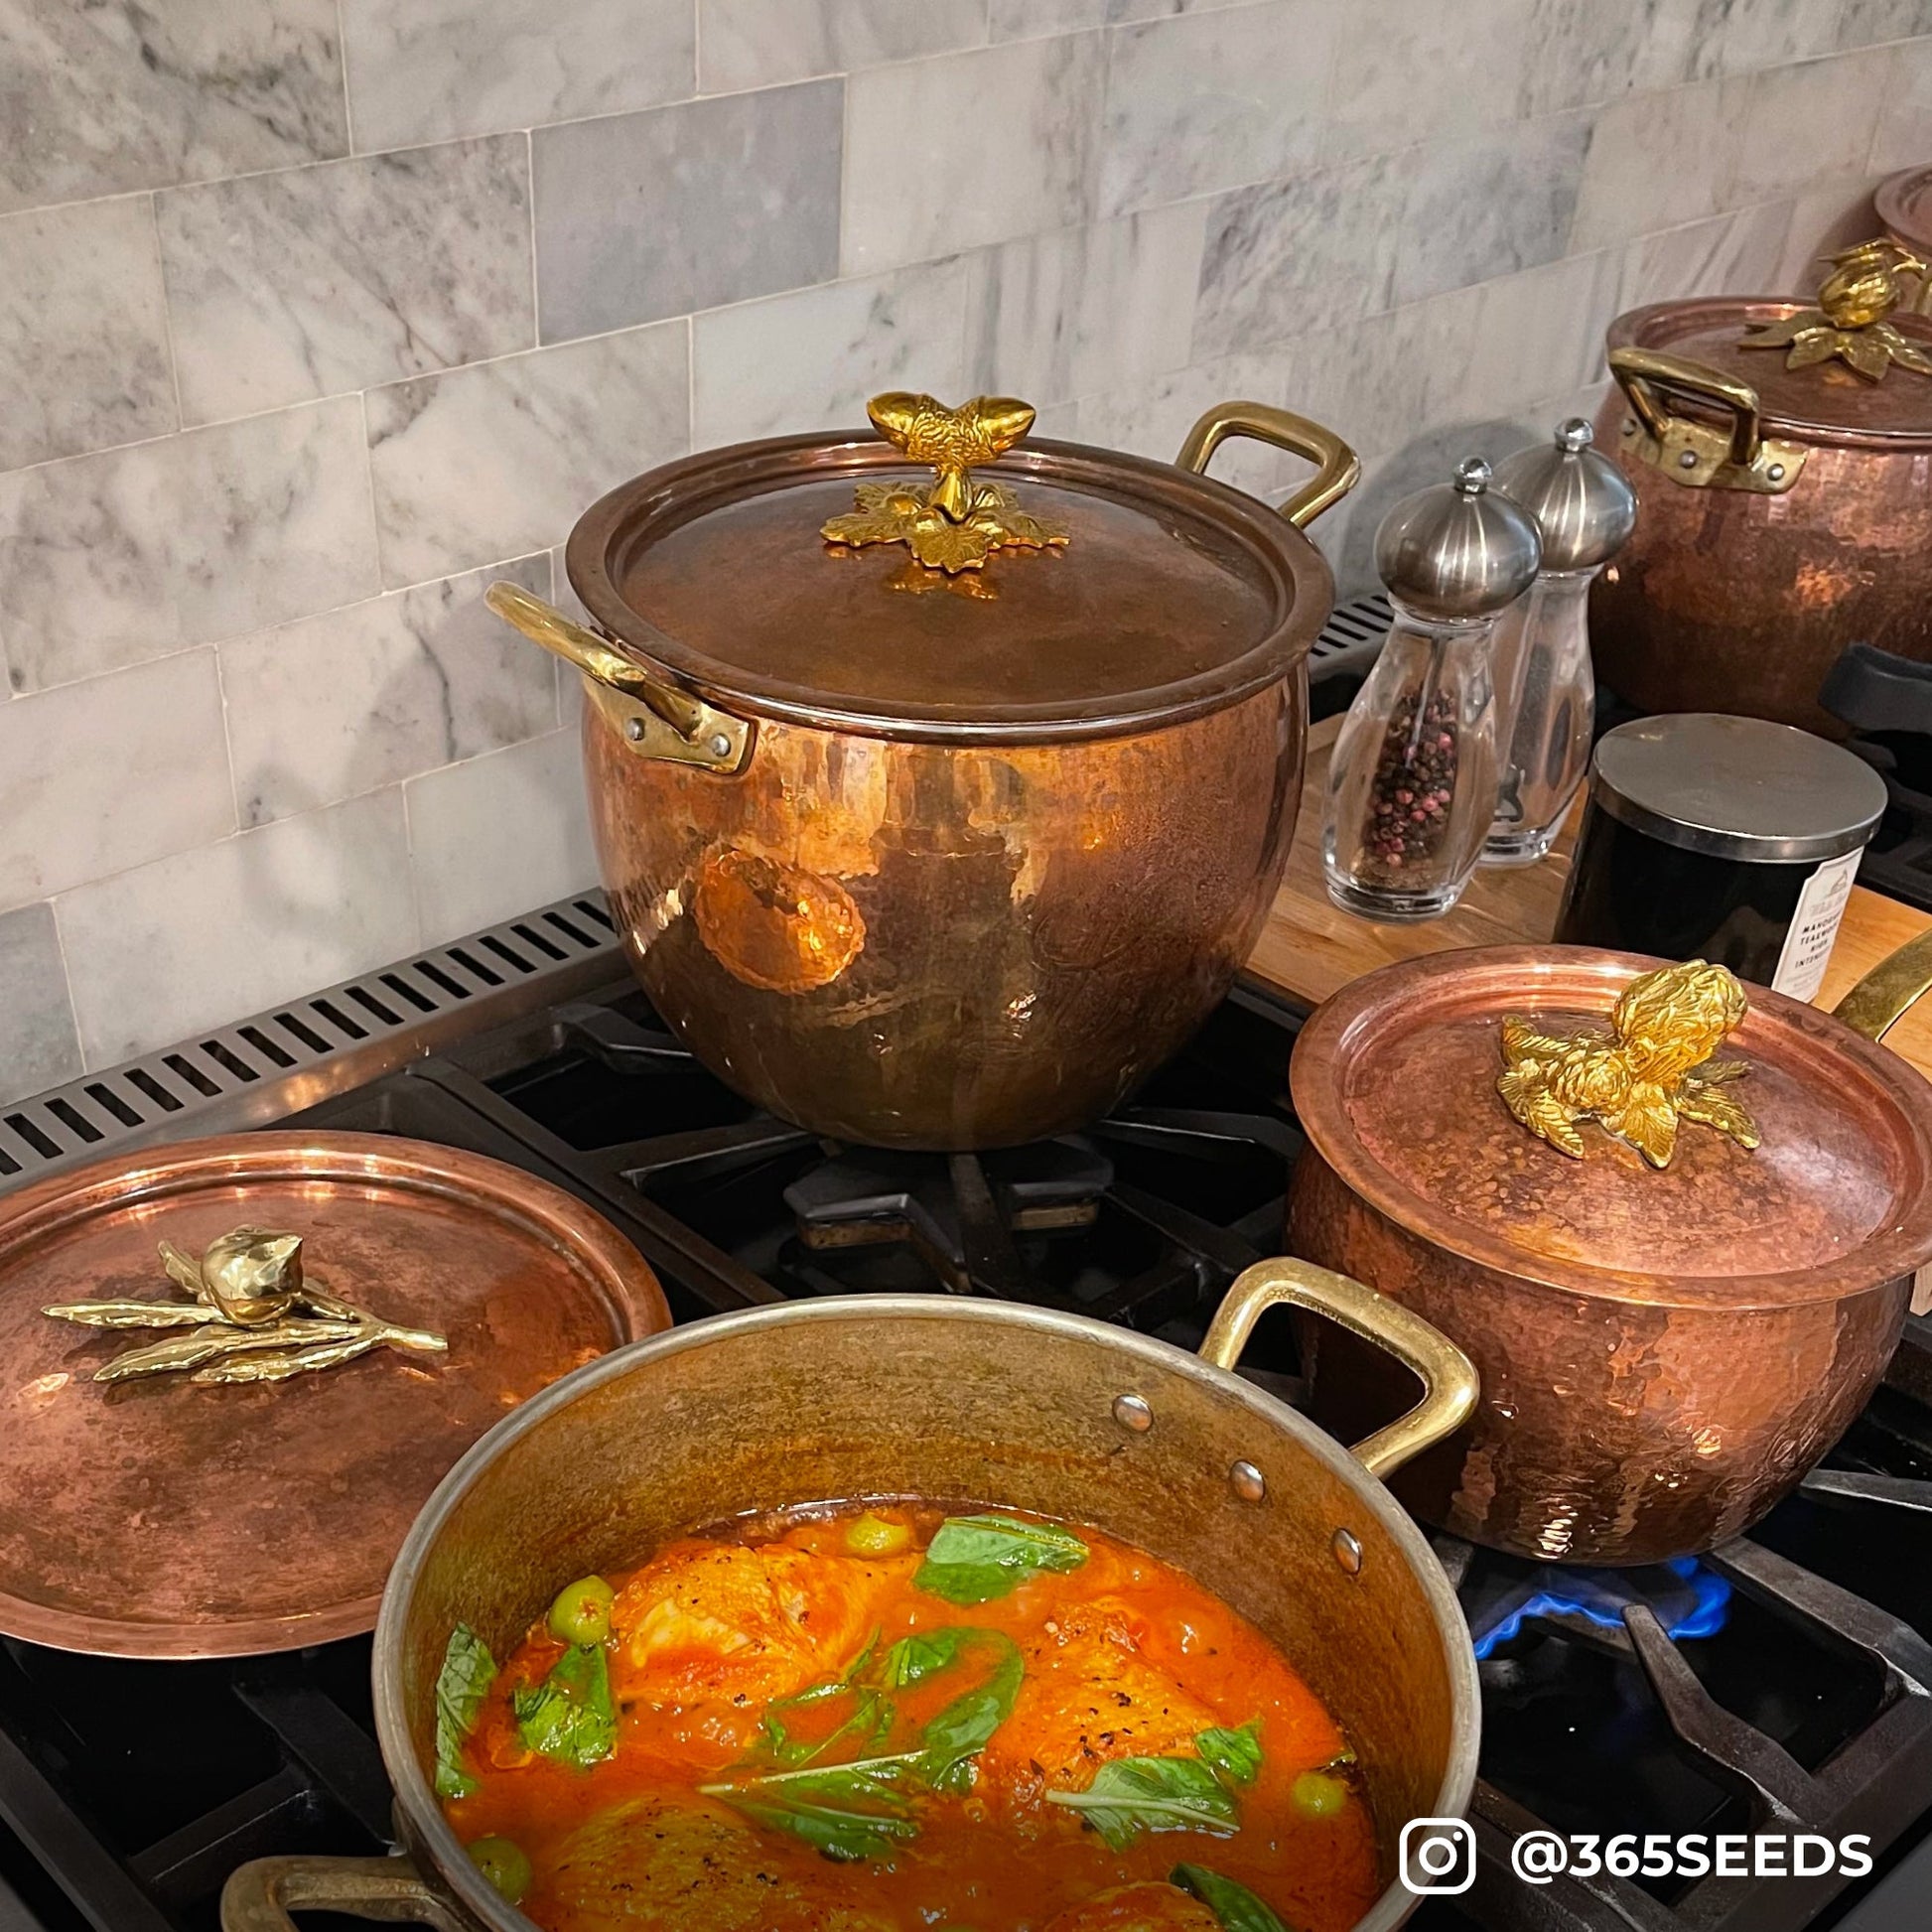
(707, 1619)
(1090, 1695)
(1155, 1906)
(658, 1863)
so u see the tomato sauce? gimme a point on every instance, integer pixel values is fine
(707, 1814)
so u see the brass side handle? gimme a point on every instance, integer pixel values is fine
(1889, 989)
(1448, 1376)
(1337, 468)
(260, 1895)
(657, 718)
(1734, 455)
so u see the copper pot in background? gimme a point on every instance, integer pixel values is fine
(953, 1401)
(936, 857)
(1662, 1353)
(1782, 512)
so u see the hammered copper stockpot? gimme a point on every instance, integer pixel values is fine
(1664, 1352)
(951, 1401)
(936, 814)
(1782, 512)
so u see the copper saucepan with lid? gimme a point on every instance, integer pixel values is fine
(1675, 1231)
(940, 781)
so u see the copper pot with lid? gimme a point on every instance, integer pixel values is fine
(1672, 1224)
(941, 783)
(1782, 454)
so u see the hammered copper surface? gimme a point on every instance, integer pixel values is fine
(1662, 1354)
(162, 1519)
(927, 947)
(1732, 600)
(954, 1401)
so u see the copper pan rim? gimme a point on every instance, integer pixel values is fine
(423, 1815)
(1341, 1025)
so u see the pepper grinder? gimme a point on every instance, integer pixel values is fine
(1546, 692)
(1412, 784)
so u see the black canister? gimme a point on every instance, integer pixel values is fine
(1726, 839)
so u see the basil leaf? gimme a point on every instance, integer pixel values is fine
(869, 1720)
(913, 1659)
(957, 1733)
(1238, 1909)
(570, 1715)
(846, 1811)
(975, 1558)
(1236, 1755)
(1132, 1795)
(461, 1686)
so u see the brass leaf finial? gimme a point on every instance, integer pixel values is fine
(1655, 1071)
(1850, 322)
(952, 523)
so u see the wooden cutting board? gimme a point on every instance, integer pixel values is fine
(1310, 947)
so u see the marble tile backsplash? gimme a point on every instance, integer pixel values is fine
(316, 316)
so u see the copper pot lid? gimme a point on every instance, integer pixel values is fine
(1397, 1082)
(1903, 203)
(161, 1517)
(1118, 593)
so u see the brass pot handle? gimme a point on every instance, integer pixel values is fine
(1696, 453)
(1448, 1376)
(1339, 468)
(1885, 995)
(260, 1895)
(655, 718)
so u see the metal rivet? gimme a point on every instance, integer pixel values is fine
(1131, 1412)
(1249, 1483)
(1687, 460)
(721, 746)
(1776, 472)
(1349, 1551)
(634, 729)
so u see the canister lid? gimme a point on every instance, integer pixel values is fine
(1584, 505)
(1737, 788)
(1903, 202)
(1458, 550)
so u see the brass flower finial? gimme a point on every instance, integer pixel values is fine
(1655, 1071)
(952, 523)
(1849, 323)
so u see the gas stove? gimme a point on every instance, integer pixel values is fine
(1796, 1693)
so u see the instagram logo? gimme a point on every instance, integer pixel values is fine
(1436, 1856)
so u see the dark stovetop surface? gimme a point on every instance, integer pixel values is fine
(144, 1784)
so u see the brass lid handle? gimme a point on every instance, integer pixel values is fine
(1690, 449)
(952, 523)
(1337, 468)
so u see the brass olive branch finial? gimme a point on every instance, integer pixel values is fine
(953, 523)
(1654, 1073)
(1850, 322)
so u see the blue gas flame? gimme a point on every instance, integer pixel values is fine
(1595, 1596)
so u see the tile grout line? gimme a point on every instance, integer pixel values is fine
(168, 331)
(342, 61)
(530, 194)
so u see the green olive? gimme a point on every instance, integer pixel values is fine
(1317, 1795)
(873, 1536)
(582, 1612)
(503, 1862)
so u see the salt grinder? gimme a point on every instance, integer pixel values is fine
(1412, 784)
(1546, 691)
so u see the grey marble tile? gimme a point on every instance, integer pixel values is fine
(644, 216)
(759, 42)
(1539, 333)
(338, 705)
(1053, 317)
(1028, 114)
(297, 904)
(39, 1046)
(499, 459)
(1743, 36)
(1211, 101)
(427, 69)
(810, 359)
(1903, 136)
(1581, 52)
(106, 560)
(311, 281)
(1833, 215)
(1014, 20)
(84, 337)
(1728, 254)
(1865, 21)
(116, 94)
(1406, 70)
(1307, 253)
(98, 776)
(1490, 205)
(1831, 100)
(1657, 159)
(501, 834)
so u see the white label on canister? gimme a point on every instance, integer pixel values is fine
(1814, 925)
